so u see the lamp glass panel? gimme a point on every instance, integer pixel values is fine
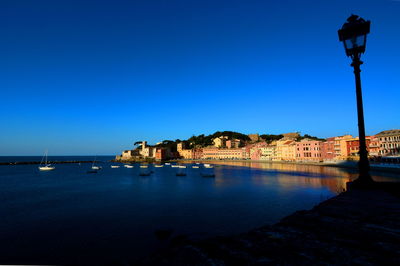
(355, 42)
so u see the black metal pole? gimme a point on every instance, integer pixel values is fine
(363, 164)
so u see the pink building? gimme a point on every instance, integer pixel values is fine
(255, 152)
(308, 150)
(234, 143)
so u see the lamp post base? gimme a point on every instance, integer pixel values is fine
(362, 182)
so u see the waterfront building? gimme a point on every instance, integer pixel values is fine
(128, 155)
(161, 154)
(268, 153)
(328, 149)
(262, 151)
(223, 154)
(340, 147)
(219, 142)
(285, 150)
(308, 150)
(197, 153)
(374, 146)
(255, 150)
(184, 153)
(180, 146)
(234, 143)
(353, 147)
(389, 142)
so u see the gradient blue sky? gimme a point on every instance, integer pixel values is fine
(92, 77)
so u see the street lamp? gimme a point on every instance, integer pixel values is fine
(353, 34)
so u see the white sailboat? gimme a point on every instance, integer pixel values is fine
(46, 166)
(95, 167)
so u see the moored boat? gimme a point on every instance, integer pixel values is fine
(46, 166)
(95, 167)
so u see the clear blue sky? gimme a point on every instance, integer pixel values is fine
(92, 77)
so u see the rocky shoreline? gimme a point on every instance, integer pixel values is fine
(356, 227)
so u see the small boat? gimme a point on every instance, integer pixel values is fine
(195, 166)
(144, 166)
(174, 165)
(46, 166)
(167, 163)
(95, 167)
(114, 166)
(128, 166)
(158, 165)
(206, 165)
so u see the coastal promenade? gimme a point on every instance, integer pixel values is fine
(356, 227)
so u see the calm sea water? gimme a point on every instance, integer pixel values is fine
(69, 216)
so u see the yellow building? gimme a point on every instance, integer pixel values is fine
(219, 142)
(223, 154)
(340, 147)
(184, 153)
(285, 150)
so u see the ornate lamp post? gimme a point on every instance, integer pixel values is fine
(353, 34)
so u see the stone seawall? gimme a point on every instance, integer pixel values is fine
(356, 227)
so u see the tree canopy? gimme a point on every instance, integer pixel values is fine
(271, 137)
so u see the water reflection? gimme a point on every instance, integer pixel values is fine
(289, 175)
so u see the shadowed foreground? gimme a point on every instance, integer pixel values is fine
(356, 227)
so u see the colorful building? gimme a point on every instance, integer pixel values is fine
(285, 150)
(353, 147)
(220, 141)
(234, 143)
(389, 142)
(340, 147)
(328, 149)
(184, 153)
(308, 150)
(161, 154)
(221, 154)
